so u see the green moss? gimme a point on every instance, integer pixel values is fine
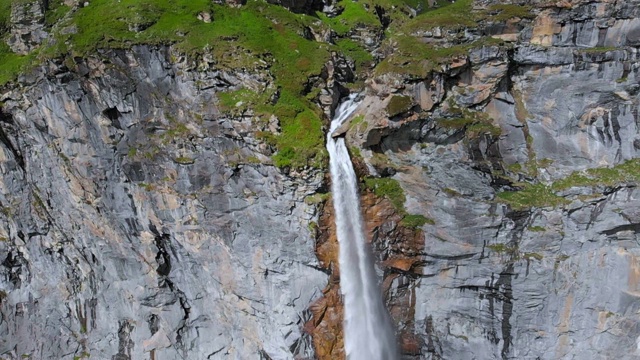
(388, 188)
(5, 13)
(598, 49)
(450, 15)
(12, 64)
(501, 248)
(398, 105)
(416, 221)
(536, 195)
(414, 59)
(316, 198)
(356, 52)
(529, 256)
(183, 160)
(56, 11)
(536, 229)
(355, 14)
(629, 171)
(301, 142)
(354, 151)
(504, 12)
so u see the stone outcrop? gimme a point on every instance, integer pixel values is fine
(26, 23)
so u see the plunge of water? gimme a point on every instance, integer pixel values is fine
(368, 334)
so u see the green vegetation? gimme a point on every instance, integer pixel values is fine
(540, 195)
(536, 229)
(12, 64)
(256, 37)
(416, 221)
(183, 160)
(474, 123)
(389, 188)
(5, 13)
(629, 171)
(532, 195)
(502, 248)
(504, 12)
(399, 104)
(448, 15)
(316, 198)
(599, 49)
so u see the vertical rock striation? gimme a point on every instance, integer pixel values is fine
(137, 220)
(531, 253)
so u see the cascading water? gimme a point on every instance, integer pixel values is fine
(368, 333)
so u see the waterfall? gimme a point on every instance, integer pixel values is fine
(368, 333)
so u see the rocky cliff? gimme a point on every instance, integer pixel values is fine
(161, 203)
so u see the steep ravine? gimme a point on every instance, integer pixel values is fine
(142, 215)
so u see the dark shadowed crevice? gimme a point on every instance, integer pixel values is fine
(7, 119)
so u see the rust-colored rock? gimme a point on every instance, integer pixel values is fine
(397, 249)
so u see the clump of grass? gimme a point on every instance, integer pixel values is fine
(416, 221)
(450, 15)
(504, 12)
(629, 171)
(415, 59)
(388, 188)
(316, 198)
(183, 160)
(532, 195)
(540, 195)
(12, 64)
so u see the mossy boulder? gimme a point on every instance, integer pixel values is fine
(399, 104)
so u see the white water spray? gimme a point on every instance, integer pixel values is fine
(368, 334)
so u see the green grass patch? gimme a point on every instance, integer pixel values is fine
(413, 58)
(502, 248)
(540, 195)
(416, 221)
(474, 123)
(450, 15)
(316, 198)
(536, 229)
(356, 52)
(5, 14)
(183, 160)
(598, 49)
(629, 171)
(388, 188)
(532, 195)
(355, 14)
(504, 12)
(13, 64)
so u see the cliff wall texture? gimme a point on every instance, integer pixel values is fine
(158, 202)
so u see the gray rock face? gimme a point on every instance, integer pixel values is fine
(138, 222)
(27, 26)
(530, 282)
